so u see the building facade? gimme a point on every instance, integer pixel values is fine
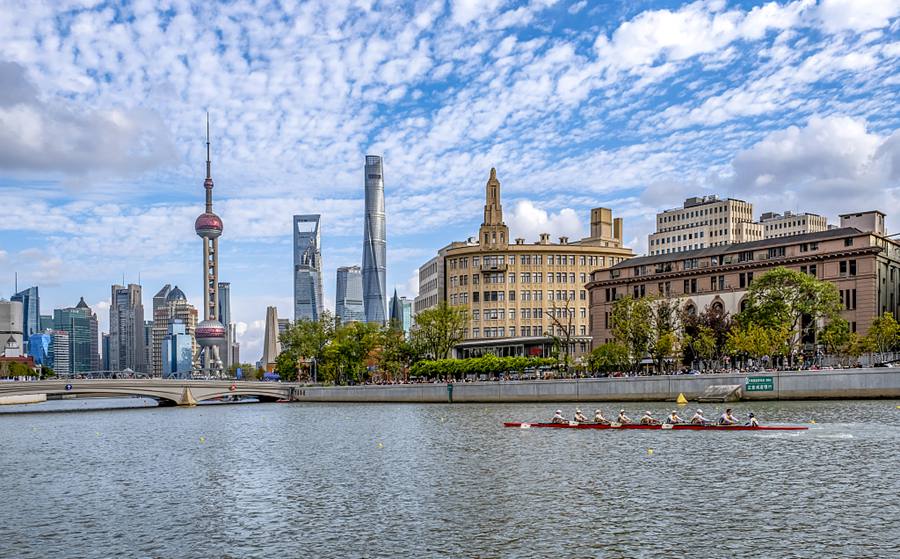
(31, 312)
(348, 305)
(271, 345)
(11, 322)
(788, 224)
(81, 325)
(401, 313)
(863, 266)
(703, 221)
(374, 265)
(230, 328)
(39, 346)
(126, 329)
(525, 298)
(431, 282)
(177, 351)
(170, 305)
(307, 267)
(60, 360)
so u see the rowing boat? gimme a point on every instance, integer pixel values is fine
(663, 427)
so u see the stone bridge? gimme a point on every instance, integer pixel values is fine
(166, 392)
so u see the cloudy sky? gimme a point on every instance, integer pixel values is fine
(633, 104)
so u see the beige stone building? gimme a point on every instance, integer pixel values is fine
(863, 264)
(788, 224)
(521, 294)
(703, 221)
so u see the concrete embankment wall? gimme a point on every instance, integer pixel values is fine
(852, 383)
(26, 399)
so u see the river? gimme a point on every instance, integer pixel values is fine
(359, 480)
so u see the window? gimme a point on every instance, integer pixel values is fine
(852, 267)
(512, 295)
(842, 267)
(475, 296)
(745, 256)
(583, 295)
(776, 252)
(848, 242)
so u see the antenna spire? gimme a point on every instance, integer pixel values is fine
(208, 163)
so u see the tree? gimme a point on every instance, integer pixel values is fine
(308, 339)
(701, 344)
(562, 318)
(353, 343)
(705, 335)
(286, 366)
(835, 336)
(883, 334)
(437, 330)
(758, 341)
(396, 354)
(631, 323)
(608, 358)
(783, 298)
(664, 328)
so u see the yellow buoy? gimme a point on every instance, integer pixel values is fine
(202, 439)
(813, 421)
(681, 401)
(380, 445)
(650, 452)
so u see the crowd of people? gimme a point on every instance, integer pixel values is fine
(727, 418)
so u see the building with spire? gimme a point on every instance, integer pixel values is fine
(307, 268)
(401, 313)
(523, 299)
(210, 333)
(348, 306)
(374, 265)
(126, 329)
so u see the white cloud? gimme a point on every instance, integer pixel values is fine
(528, 221)
(465, 11)
(577, 7)
(857, 15)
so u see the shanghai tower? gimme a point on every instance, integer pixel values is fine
(374, 244)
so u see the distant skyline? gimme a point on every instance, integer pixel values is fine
(632, 105)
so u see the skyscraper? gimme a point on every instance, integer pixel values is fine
(210, 333)
(31, 312)
(374, 243)
(39, 346)
(126, 329)
(11, 323)
(271, 345)
(174, 307)
(59, 352)
(80, 324)
(401, 313)
(348, 305)
(225, 319)
(177, 351)
(307, 268)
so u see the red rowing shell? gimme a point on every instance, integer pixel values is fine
(663, 427)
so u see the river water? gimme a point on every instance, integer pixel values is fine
(357, 480)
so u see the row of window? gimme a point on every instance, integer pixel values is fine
(462, 262)
(527, 331)
(527, 313)
(524, 277)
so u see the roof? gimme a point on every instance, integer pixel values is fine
(176, 295)
(739, 247)
(82, 305)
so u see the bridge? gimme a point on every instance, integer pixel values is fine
(166, 392)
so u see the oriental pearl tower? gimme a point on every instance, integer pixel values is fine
(210, 333)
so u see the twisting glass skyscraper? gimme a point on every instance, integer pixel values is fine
(307, 268)
(374, 244)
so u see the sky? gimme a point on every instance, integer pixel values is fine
(633, 105)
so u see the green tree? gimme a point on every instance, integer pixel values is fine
(47, 372)
(308, 339)
(883, 333)
(835, 336)
(631, 326)
(352, 347)
(286, 366)
(396, 354)
(609, 358)
(664, 338)
(437, 330)
(791, 300)
(699, 329)
(700, 345)
(757, 341)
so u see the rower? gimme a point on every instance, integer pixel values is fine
(698, 418)
(648, 419)
(558, 417)
(579, 417)
(598, 418)
(752, 420)
(623, 419)
(674, 418)
(727, 418)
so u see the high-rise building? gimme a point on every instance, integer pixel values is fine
(401, 313)
(174, 307)
(271, 345)
(348, 305)
(46, 322)
(224, 313)
(704, 221)
(374, 264)
(39, 346)
(307, 268)
(148, 344)
(60, 360)
(104, 348)
(177, 351)
(784, 225)
(11, 323)
(525, 299)
(81, 325)
(432, 288)
(31, 312)
(210, 333)
(126, 329)
(230, 327)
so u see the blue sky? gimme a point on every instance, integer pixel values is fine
(633, 105)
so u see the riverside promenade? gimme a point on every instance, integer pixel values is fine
(782, 385)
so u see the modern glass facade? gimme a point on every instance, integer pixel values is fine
(307, 268)
(348, 305)
(39, 346)
(177, 352)
(31, 313)
(374, 265)
(82, 328)
(126, 329)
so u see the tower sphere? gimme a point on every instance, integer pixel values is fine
(210, 333)
(208, 225)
